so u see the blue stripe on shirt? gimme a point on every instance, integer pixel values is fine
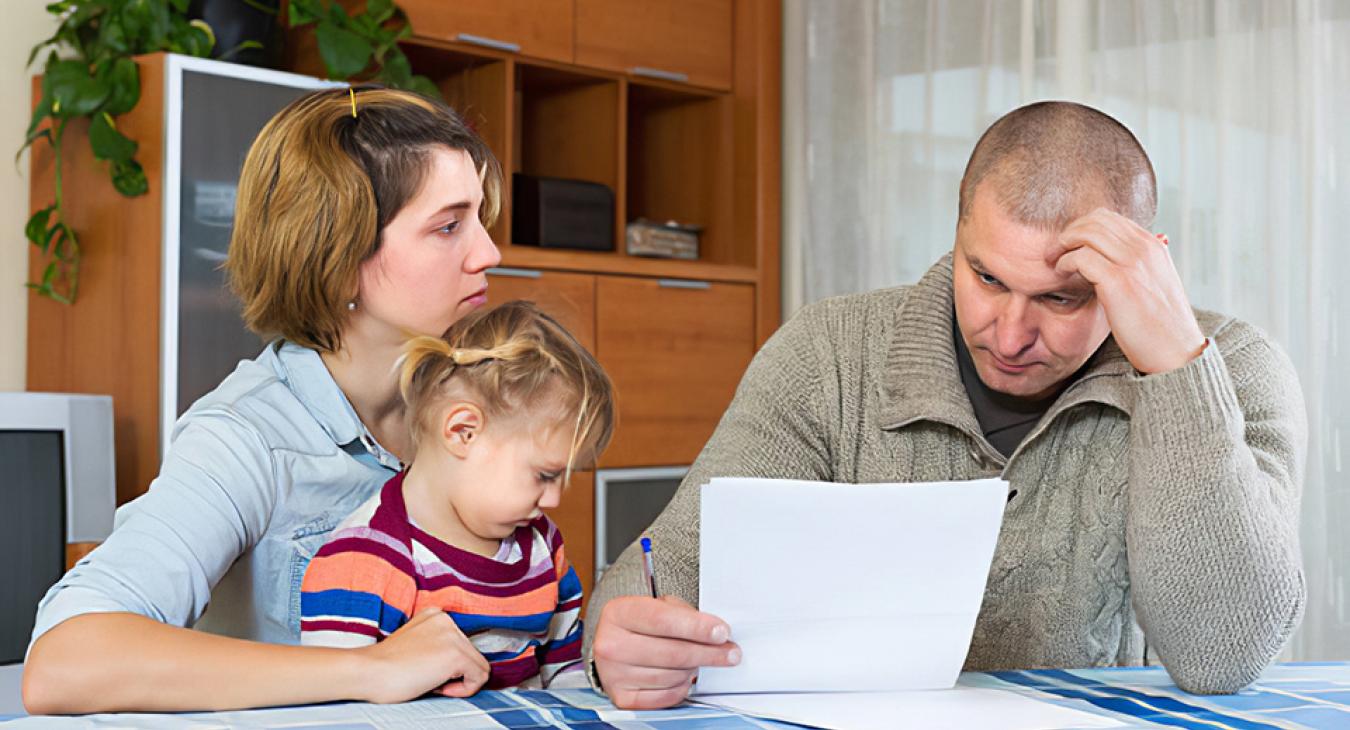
(352, 605)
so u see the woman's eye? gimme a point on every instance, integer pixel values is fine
(450, 227)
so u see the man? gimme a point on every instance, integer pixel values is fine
(1155, 453)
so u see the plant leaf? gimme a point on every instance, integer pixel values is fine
(344, 53)
(380, 10)
(36, 228)
(107, 142)
(210, 36)
(425, 87)
(74, 91)
(113, 36)
(243, 46)
(40, 112)
(49, 274)
(124, 82)
(396, 71)
(129, 178)
(302, 12)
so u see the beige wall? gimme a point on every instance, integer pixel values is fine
(26, 23)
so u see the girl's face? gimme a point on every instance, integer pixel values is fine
(431, 266)
(507, 474)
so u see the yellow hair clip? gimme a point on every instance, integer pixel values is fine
(352, 92)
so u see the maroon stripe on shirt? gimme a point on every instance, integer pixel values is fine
(343, 626)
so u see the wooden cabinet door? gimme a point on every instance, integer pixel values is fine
(539, 28)
(575, 516)
(675, 351)
(687, 40)
(569, 298)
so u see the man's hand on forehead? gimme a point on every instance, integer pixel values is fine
(1132, 274)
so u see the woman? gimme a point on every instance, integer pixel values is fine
(360, 221)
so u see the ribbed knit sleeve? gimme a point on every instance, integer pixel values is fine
(1217, 452)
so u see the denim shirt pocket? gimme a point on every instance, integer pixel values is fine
(306, 540)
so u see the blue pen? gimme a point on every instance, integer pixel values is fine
(647, 564)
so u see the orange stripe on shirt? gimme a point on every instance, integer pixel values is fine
(356, 571)
(457, 599)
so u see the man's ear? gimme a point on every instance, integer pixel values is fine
(461, 428)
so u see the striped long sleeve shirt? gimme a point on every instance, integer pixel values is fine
(520, 608)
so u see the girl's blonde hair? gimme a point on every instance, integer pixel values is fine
(511, 359)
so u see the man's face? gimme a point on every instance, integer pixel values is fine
(1027, 327)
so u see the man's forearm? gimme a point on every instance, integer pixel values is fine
(1215, 477)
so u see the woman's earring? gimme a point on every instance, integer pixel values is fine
(351, 306)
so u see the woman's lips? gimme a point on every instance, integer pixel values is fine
(478, 298)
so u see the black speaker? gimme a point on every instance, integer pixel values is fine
(557, 213)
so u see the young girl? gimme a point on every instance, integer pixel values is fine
(501, 411)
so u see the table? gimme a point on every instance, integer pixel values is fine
(1300, 695)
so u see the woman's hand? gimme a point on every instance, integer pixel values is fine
(427, 653)
(648, 651)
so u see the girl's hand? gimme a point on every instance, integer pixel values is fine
(427, 653)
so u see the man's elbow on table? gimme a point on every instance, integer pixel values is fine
(1227, 666)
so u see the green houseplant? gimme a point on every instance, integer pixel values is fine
(361, 46)
(89, 73)
(94, 77)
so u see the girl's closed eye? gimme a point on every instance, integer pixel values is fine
(548, 477)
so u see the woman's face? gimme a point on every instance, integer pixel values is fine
(431, 266)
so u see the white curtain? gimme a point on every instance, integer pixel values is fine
(1244, 108)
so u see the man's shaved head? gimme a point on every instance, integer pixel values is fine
(1053, 161)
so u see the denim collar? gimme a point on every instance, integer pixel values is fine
(304, 373)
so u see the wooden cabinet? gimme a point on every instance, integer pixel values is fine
(676, 351)
(538, 28)
(575, 516)
(568, 297)
(681, 40)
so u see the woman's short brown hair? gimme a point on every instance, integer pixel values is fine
(319, 185)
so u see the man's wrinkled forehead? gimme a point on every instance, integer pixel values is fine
(993, 243)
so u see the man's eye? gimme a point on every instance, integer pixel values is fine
(1058, 301)
(988, 280)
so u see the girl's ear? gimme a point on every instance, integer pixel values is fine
(461, 428)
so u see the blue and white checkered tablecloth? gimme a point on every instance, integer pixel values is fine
(1311, 695)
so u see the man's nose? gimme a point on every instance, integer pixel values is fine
(1015, 330)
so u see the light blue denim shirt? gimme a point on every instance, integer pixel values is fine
(257, 474)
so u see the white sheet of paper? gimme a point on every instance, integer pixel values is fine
(960, 708)
(845, 587)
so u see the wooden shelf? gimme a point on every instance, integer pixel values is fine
(602, 262)
(702, 151)
(680, 166)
